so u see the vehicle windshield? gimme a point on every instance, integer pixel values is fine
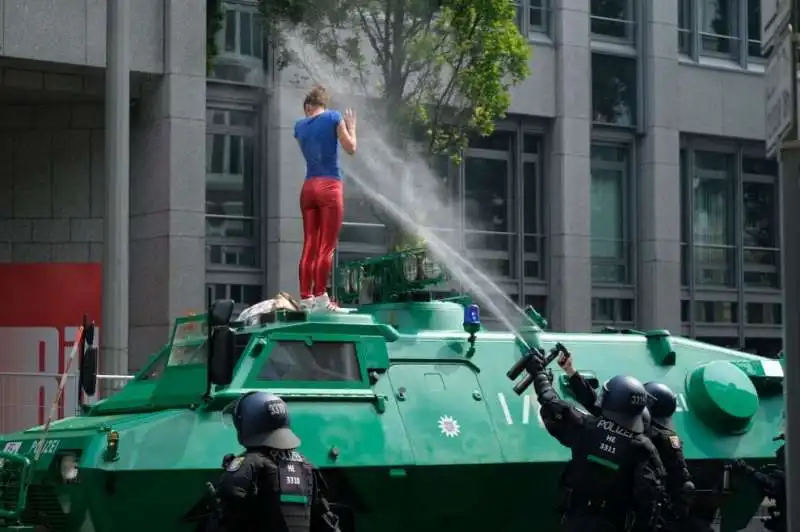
(154, 371)
(189, 341)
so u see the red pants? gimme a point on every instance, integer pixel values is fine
(322, 206)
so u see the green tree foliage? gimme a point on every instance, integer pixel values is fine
(214, 15)
(445, 66)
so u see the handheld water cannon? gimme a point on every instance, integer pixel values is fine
(525, 363)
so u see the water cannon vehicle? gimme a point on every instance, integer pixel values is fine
(404, 404)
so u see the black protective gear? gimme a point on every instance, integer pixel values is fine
(262, 420)
(537, 362)
(662, 403)
(270, 490)
(678, 484)
(584, 393)
(614, 479)
(623, 400)
(771, 481)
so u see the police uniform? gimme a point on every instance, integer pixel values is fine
(270, 487)
(679, 485)
(772, 483)
(613, 481)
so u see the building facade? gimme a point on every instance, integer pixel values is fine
(627, 187)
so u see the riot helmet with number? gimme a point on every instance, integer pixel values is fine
(623, 401)
(662, 403)
(262, 420)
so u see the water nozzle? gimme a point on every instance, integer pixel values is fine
(536, 318)
(517, 368)
(524, 364)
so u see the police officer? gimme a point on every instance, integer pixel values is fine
(680, 488)
(772, 482)
(613, 481)
(270, 487)
(662, 405)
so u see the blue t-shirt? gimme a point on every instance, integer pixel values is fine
(320, 144)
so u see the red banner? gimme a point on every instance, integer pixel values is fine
(41, 308)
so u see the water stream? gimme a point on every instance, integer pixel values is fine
(404, 187)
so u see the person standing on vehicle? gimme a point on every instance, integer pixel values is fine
(614, 480)
(270, 487)
(319, 135)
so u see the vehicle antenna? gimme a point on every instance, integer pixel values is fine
(59, 394)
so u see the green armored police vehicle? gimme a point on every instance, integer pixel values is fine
(403, 404)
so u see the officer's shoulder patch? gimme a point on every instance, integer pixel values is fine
(675, 442)
(235, 464)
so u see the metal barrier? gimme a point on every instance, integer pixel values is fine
(27, 397)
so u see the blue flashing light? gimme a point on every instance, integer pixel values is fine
(472, 315)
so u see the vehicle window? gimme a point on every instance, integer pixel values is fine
(321, 361)
(154, 371)
(189, 343)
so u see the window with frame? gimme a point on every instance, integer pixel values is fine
(763, 313)
(231, 190)
(754, 28)
(614, 97)
(243, 295)
(760, 234)
(730, 227)
(713, 213)
(609, 311)
(532, 208)
(686, 227)
(290, 360)
(613, 19)
(719, 27)
(241, 45)
(765, 347)
(610, 217)
(362, 223)
(715, 28)
(722, 312)
(721, 341)
(489, 203)
(686, 18)
(533, 16)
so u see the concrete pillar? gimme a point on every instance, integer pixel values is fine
(114, 340)
(659, 200)
(285, 172)
(168, 185)
(569, 179)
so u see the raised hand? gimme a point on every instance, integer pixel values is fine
(350, 120)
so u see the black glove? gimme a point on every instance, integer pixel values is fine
(227, 459)
(738, 465)
(536, 363)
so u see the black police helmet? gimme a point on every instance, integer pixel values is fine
(262, 420)
(662, 402)
(623, 400)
